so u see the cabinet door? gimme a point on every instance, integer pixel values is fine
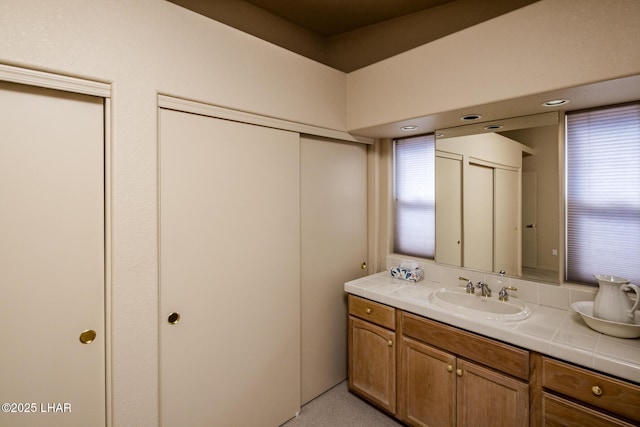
(372, 363)
(51, 257)
(426, 385)
(487, 398)
(333, 180)
(230, 266)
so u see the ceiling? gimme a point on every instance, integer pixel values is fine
(350, 34)
(332, 17)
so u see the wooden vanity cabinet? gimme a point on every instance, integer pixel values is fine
(372, 352)
(449, 377)
(576, 397)
(439, 386)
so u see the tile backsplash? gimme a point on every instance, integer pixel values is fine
(545, 294)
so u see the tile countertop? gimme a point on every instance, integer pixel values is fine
(556, 332)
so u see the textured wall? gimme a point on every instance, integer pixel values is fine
(144, 47)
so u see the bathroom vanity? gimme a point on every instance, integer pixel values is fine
(428, 366)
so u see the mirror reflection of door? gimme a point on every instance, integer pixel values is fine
(529, 220)
(449, 211)
(478, 217)
(528, 144)
(506, 239)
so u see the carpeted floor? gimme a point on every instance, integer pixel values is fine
(339, 408)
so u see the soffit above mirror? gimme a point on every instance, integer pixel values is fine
(597, 94)
(348, 35)
(549, 118)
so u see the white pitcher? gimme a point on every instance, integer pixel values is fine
(611, 302)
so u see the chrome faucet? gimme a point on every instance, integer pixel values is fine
(484, 289)
(470, 288)
(503, 295)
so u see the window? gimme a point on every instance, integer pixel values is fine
(603, 193)
(414, 193)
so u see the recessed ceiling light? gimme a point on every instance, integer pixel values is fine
(409, 127)
(469, 117)
(555, 102)
(493, 127)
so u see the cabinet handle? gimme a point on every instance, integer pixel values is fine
(596, 390)
(390, 343)
(459, 372)
(368, 311)
(449, 368)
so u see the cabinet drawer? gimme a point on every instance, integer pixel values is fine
(595, 389)
(502, 357)
(563, 413)
(373, 312)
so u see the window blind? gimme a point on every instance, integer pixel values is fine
(414, 193)
(603, 193)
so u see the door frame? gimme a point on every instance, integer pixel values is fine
(47, 80)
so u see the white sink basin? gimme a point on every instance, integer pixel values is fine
(475, 305)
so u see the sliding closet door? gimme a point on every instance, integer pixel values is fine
(507, 214)
(334, 248)
(52, 372)
(229, 272)
(478, 217)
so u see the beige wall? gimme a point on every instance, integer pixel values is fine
(144, 47)
(547, 45)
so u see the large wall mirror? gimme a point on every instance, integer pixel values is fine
(502, 178)
(498, 196)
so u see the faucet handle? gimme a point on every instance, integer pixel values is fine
(503, 295)
(469, 285)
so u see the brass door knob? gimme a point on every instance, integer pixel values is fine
(87, 337)
(173, 318)
(390, 343)
(459, 372)
(449, 368)
(368, 311)
(596, 390)
(363, 265)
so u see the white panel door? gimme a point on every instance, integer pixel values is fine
(230, 267)
(478, 218)
(507, 222)
(449, 211)
(334, 246)
(51, 258)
